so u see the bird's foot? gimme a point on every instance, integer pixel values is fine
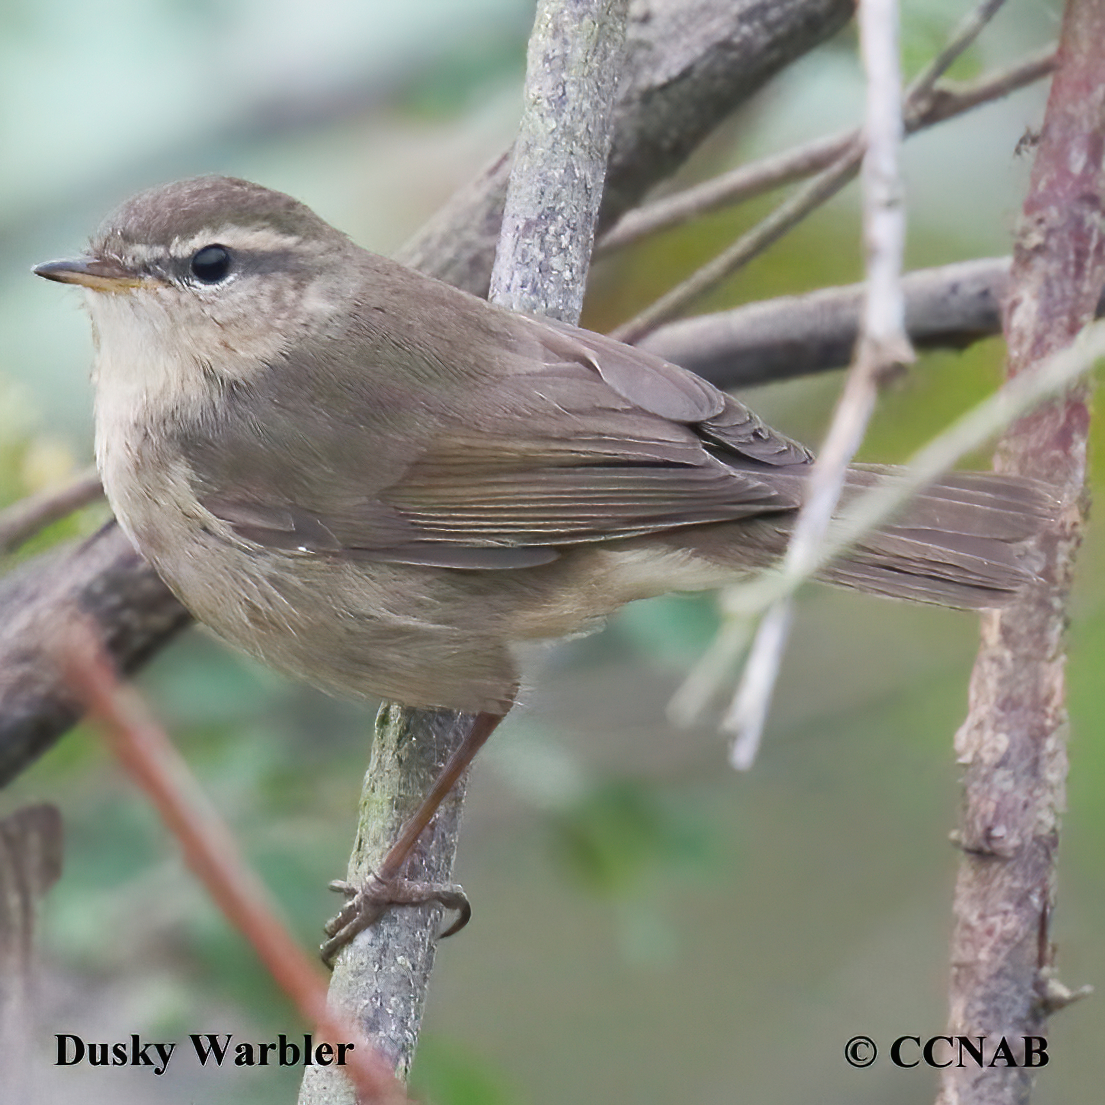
(368, 903)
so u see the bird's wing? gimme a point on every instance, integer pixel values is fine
(584, 440)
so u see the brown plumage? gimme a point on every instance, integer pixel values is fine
(381, 484)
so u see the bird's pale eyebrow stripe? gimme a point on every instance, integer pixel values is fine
(260, 239)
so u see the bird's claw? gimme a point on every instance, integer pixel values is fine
(368, 903)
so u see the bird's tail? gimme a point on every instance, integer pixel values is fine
(964, 541)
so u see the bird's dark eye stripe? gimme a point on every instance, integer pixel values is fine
(211, 264)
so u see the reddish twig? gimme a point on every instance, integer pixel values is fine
(211, 851)
(1013, 740)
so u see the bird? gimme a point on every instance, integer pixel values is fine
(385, 486)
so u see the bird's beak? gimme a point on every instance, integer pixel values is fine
(101, 274)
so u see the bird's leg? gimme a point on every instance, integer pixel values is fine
(384, 887)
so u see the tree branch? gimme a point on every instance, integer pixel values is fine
(1013, 742)
(919, 97)
(949, 307)
(21, 521)
(551, 210)
(940, 103)
(108, 582)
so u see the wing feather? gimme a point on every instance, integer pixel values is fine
(573, 438)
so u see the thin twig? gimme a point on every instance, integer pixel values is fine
(742, 183)
(211, 851)
(968, 30)
(882, 347)
(943, 102)
(950, 98)
(22, 520)
(793, 210)
(747, 247)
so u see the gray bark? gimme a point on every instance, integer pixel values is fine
(381, 979)
(1013, 741)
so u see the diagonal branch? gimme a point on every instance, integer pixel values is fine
(942, 102)
(21, 521)
(209, 849)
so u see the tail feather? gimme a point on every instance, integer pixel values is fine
(964, 541)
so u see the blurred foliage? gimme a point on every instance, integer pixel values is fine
(32, 460)
(448, 1073)
(457, 80)
(627, 834)
(924, 31)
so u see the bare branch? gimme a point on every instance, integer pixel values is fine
(950, 98)
(882, 347)
(742, 183)
(108, 582)
(551, 211)
(1013, 741)
(552, 205)
(950, 306)
(806, 200)
(945, 101)
(22, 520)
(748, 246)
(967, 31)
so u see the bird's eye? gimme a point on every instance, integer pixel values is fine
(211, 264)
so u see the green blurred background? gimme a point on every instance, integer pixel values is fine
(649, 926)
